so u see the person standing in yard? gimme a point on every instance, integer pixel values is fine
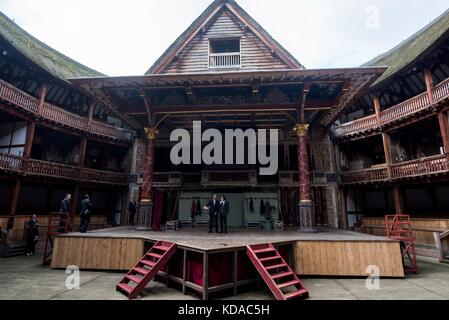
(32, 235)
(85, 213)
(132, 209)
(64, 212)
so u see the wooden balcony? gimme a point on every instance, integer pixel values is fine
(224, 60)
(39, 168)
(395, 114)
(10, 163)
(425, 167)
(50, 113)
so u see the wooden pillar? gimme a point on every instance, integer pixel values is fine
(31, 129)
(428, 79)
(442, 116)
(145, 213)
(42, 95)
(90, 117)
(305, 207)
(387, 150)
(398, 200)
(443, 121)
(15, 193)
(378, 111)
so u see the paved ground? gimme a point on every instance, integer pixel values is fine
(25, 278)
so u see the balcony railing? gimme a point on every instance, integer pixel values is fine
(60, 116)
(10, 162)
(90, 175)
(364, 176)
(417, 168)
(224, 60)
(394, 114)
(51, 169)
(33, 167)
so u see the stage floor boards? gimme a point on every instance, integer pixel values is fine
(329, 252)
(236, 238)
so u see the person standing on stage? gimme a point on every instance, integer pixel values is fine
(64, 212)
(224, 212)
(132, 209)
(213, 206)
(32, 233)
(85, 212)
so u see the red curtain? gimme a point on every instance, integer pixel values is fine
(158, 210)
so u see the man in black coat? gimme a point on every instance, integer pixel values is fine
(85, 212)
(224, 212)
(32, 235)
(213, 205)
(64, 212)
(132, 209)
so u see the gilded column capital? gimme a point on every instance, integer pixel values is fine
(302, 130)
(151, 133)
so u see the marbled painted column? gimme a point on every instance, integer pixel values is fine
(145, 213)
(305, 207)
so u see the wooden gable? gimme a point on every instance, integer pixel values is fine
(258, 51)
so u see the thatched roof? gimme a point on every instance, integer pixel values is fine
(52, 61)
(412, 49)
(194, 27)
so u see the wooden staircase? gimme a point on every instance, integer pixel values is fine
(399, 227)
(146, 269)
(56, 226)
(277, 274)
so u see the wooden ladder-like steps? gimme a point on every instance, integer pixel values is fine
(276, 273)
(146, 269)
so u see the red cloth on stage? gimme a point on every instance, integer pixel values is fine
(158, 210)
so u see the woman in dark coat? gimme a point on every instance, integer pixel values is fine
(32, 236)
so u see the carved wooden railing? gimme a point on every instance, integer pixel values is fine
(168, 179)
(10, 162)
(405, 109)
(13, 163)
(396, 113)
(364, 176)
(419, 167)
(51, 169)
(356, 126)
(17, 97)
(224, 60)
(60, 116)
(228, 178)
(410, 169)
(91, 175)
(63, 117)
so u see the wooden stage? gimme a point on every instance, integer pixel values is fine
(199, 254)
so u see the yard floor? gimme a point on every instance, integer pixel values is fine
(24, 278)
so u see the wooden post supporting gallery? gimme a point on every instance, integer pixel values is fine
(442, 115)
(146, 199)
(305, 207)
(398, 200)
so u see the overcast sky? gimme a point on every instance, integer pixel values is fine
(119, 37)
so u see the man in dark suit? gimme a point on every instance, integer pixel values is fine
(85, 212)
(213, 206)
(132, 209)
(64, 212)
(224, 212)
